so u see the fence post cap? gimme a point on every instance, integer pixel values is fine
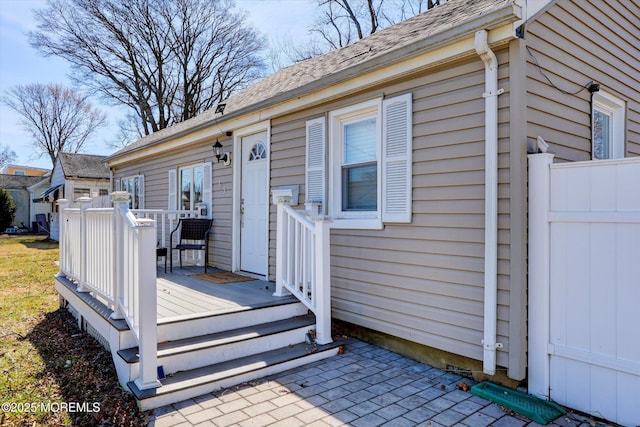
(120, 197)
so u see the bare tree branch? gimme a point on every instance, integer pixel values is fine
(167, 61)
(342, 22)
(7, 155)
(57, 118)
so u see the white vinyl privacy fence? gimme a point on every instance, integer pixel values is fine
(584, 285)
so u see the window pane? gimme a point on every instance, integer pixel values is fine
(601, 135)
(126, 186)
(136, 193)
(360, 142)
(360, 188)
(258, 152)
(80, 192)
(197, 185)
(185, 189)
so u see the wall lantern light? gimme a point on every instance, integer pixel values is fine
(220, 155)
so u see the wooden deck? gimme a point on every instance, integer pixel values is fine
(181, 296)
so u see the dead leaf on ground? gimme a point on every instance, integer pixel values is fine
(463, 386)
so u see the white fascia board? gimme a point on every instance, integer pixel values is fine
(209, 132)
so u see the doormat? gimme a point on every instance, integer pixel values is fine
(222, 277)
(538, 410)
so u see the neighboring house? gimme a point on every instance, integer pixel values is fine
(18, 187)
(40, 208)
(414, 142)
(75, 175)
(25, 170)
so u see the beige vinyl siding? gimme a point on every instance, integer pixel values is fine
(287, 168)
(560, 41)
(156, 191)
(222, 210)
(421, 281)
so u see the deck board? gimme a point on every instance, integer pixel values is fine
(184, 300)
(180, 294)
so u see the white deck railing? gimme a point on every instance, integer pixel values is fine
(166, 221)
(111, 254)
(303, 263)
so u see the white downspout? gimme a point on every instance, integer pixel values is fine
(490, 202)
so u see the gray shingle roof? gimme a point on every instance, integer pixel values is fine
(77, 165)
(318, 71)
(18, 181)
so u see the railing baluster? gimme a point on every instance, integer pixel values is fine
(291, 249)
(299, 282)
(303, 260)
(309, 282)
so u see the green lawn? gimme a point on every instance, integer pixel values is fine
(51, 372)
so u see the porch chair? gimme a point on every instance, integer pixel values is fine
(196, 232)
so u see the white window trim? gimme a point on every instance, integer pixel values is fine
(172, 203)
(337, 118)
(614, 106)
(140, 179)
(179, 186)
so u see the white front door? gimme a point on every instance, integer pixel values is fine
(254, 199)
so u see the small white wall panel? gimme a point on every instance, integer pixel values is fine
(628, 294)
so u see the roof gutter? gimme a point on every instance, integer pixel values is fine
(490, 344)
(304, 94)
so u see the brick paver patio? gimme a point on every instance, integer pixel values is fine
(366, 386)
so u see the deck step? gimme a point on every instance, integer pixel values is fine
(202, 342)
(222, 320)
(188, 384)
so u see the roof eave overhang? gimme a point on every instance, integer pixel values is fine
(449, 45)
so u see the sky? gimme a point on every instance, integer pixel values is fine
(20, 64)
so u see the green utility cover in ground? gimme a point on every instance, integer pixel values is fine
(538, 410)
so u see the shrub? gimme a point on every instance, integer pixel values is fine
(7, 209)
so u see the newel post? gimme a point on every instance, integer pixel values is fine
(281, 198)
(85, 203)
(120, 199)
(62, 230)
(147, 305)
(323, 280)
(539, 271)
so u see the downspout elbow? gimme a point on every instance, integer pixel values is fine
(489, 342)
(481, 45)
